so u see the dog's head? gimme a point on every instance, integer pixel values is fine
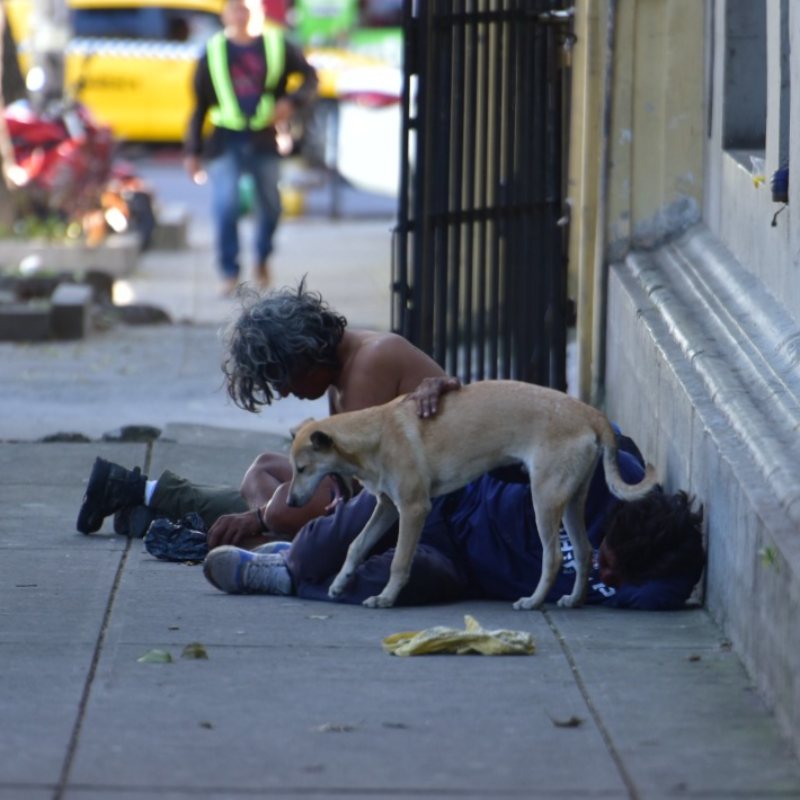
(315, 454)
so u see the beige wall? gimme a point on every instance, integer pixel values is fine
(636, 174)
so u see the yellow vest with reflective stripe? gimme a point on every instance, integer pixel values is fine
(228, 113)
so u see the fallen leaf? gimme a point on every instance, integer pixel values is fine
(473, 639)
(570, 722)
(194, 650)
(155, 657)
(333, 727)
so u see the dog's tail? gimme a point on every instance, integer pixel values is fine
(615, 481)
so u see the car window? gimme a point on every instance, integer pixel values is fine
(119, 23)
(149, 22)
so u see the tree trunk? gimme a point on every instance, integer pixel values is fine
(13, 82)
(12, 87)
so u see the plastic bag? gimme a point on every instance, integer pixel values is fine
(473, 639)
(177, 541)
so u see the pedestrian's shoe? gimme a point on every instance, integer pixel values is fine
(263, 276)
(110, 489)
(230, 286)
(238, 571)
(133, 521)
(184, 540)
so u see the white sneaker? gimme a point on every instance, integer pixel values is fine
(272, 547)
(237, 571)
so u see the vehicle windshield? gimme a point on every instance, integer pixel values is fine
(144, 22)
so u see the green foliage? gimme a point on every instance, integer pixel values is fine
(51, 229)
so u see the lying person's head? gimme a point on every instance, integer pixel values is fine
(657, 537)
(283, 342)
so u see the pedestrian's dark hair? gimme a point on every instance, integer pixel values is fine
(275, 337)
(659, 536)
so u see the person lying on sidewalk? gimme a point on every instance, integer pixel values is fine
(287, 341)
(481, 542)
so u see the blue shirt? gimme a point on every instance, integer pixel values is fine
(492, 528)
(480, 541)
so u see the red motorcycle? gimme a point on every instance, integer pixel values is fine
(65, 168)
(63, 158)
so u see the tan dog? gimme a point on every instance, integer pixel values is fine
(404, 461)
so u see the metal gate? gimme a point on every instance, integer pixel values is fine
(479, 269)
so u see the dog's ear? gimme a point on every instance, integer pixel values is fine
(321, 441)
(293, 431)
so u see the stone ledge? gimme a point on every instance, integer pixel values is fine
(70, 310)
(65, 315)
(25, 322)
(117, 256)
(742, 347)
(701, 370)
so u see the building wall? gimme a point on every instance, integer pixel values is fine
(698, 348)
(638, 141)
(738, 208)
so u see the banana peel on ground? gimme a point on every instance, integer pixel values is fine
(472, 640)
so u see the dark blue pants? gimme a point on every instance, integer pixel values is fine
(319, 550)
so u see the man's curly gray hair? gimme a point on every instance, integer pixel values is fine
(275, 337)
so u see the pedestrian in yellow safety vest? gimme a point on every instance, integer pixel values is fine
(240, 85)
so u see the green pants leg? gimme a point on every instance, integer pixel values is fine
(175, 496)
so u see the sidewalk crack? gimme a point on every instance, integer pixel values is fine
(72, 746)
(630, 786)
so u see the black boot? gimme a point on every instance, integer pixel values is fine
(110, 488)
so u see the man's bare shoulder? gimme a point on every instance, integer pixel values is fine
(382, 344)
(392, 352)
(382, 366)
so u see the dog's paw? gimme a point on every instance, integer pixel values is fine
(339, 583)
(568, 601)
(378, 601)
(336, 588)
(526, 604)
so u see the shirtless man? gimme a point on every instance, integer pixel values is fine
(293, 343)
(285, 342)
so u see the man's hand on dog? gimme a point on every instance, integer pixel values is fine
(427, 394)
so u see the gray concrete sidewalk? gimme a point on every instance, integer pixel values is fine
(297, 699)
(157, 374)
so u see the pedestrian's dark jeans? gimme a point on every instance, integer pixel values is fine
(225, 171)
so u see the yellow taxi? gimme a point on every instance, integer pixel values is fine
(131, 62)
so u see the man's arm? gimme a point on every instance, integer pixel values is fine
(202, 89)
(274, 520)
(193, 144)
(296, 63)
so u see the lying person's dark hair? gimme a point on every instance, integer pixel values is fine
(657, 537)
